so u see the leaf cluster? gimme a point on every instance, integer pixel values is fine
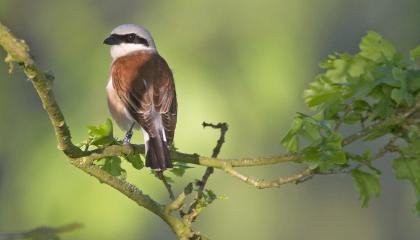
(374, 94)
(102, 136)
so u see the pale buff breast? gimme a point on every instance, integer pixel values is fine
(117, 109)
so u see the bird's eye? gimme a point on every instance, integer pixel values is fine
(131, 37)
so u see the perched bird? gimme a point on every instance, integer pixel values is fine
(141, 92)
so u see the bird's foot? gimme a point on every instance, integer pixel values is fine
(127, 137)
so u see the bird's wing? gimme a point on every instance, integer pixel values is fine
(145, 85)
(165, 99)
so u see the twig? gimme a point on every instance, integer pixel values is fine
(167, 185)
(341, 120)
(209, 170)
(223, 129)
(389, 147)
(180, 199)
(261, 183)
(392, 120)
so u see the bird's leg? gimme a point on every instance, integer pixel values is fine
(128, 135)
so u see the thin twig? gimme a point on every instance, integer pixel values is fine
(180, 199)
(167, 185)
(223, 129)
(209, 170)
(261, 183)
(389, 147)
(341, 120)
(390, 121)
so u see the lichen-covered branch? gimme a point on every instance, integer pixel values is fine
(118, 150)
(18, 52)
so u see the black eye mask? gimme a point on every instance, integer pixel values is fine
(116, 39)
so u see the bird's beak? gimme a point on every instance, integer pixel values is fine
(112, 40)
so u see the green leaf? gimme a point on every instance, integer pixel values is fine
(401, 95)
(358, 67)
(112, 165)
(321, 92)
(311, 128)
(413, 80)
(290, 141)
(208, 197)
(408, 169)
(377, 133)
(415, 53)
(366, 184)
(398, 96)
(352, 117)
(104, 129)
(179, 169)
(413, 135)
(326, 154)
(102, 134)
(210, 194)
(377, 49)
(382, 109)
(306, 127)
(331, 111)
(135, 160)
(360, 105)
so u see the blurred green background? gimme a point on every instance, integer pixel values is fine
(243, 62)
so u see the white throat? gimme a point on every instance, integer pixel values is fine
(123, 49)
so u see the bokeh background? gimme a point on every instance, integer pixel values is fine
(244, 62)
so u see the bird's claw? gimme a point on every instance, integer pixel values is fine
(127, 137)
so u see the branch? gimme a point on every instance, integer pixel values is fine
(18, 52)
(390, 121)
(41, 233)
(179, 201)
(341, 120)
(261, 183)
(118, 150)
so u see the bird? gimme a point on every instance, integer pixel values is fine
(141, 92)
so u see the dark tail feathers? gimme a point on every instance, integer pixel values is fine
(157, 155)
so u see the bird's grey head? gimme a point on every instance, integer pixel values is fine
(128, 38)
